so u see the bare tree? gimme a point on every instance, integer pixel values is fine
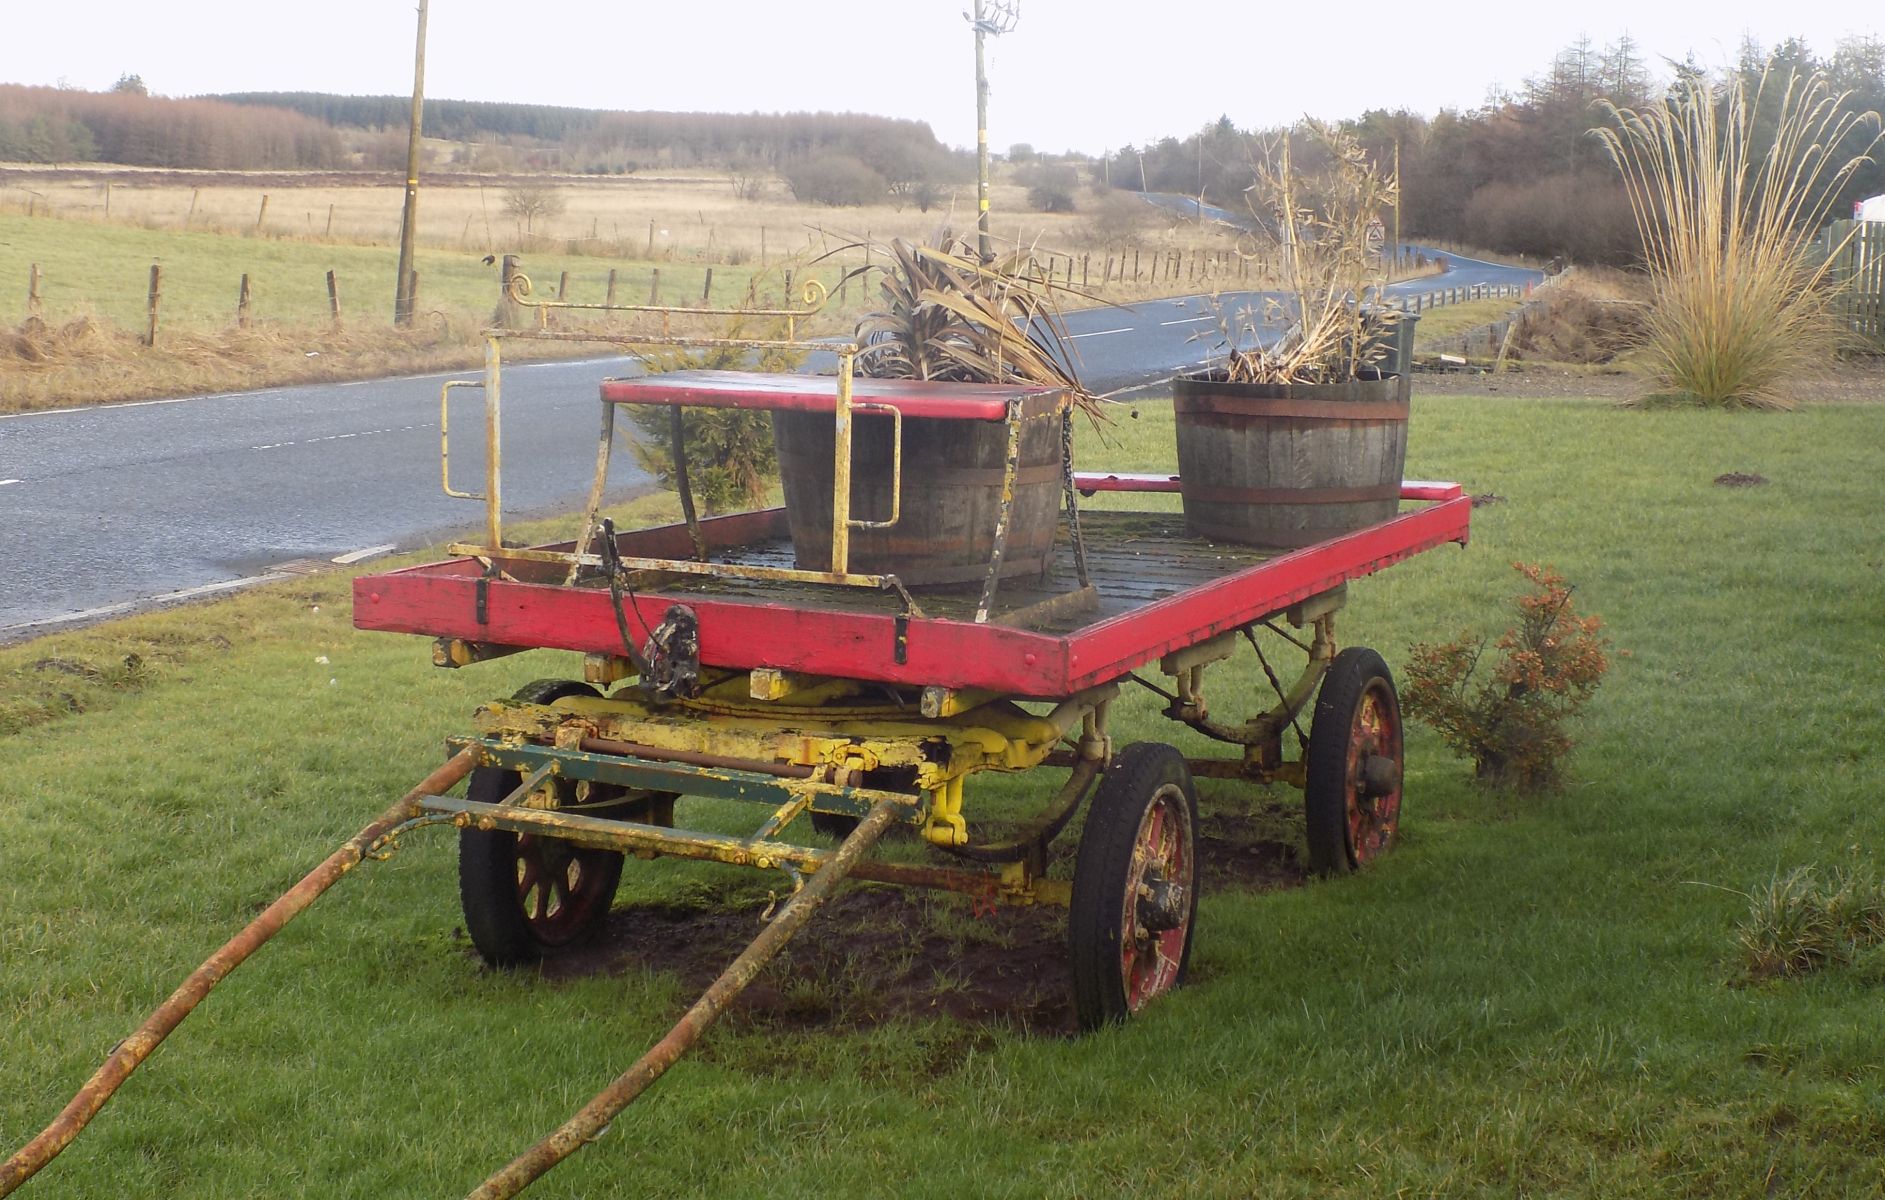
(527, 200)
(748, 177)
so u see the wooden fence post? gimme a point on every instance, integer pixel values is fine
(242, 303)
(706, 289)
(562, 287)
(651, 241)
(609, 300)
(151, 302)
(261, 212)
(762, 245)
(506, 308)
(191, 215)
(333, 297)
(32, 290)
(654, 288)
(330, 222)
(107, 199)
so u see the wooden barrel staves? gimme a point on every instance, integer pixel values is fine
(952, 473)
(1288, 465)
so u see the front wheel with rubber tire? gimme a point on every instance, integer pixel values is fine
(526, 896)
(1352, 785)
(1135, 886)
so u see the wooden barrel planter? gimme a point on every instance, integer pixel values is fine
(1288, 465)
(952, 475)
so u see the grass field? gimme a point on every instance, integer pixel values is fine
(1528, 998)
(680, 223)
(102, 269)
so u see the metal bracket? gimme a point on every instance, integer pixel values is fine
(673, 654)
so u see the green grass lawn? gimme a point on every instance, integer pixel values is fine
(1527, 998)
(1446, 320)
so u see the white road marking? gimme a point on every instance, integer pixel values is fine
(362, 555)
(1102, 332)
(1188, 321)
(335, 437)
(4, 482)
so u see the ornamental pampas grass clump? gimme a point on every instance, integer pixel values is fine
(1728, 206)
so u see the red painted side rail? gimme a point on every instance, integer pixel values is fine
(818, 393)
(1111, 648)
(1124, 481)
(1430, 489)
(441, 600)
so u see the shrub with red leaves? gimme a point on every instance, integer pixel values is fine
(1511, 721)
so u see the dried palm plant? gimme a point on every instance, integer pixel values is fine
(950, 317)
(1331, 268)
(1729, 189)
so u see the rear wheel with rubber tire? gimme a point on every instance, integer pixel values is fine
(1352, 786)
(1135, 886)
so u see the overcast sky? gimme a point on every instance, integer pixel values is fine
(1073, 74)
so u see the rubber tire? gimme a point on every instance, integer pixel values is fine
(1354, 672)
(487, 892)
(1135, 778)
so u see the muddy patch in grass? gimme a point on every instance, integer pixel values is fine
(873, 954)
(878, 954)
(1260, 852)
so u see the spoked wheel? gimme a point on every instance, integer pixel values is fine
(1135, 886)
(526, 896)
(1352, 791)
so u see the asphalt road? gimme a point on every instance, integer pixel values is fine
(106, 509)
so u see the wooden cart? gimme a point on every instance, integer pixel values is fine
(715, 663)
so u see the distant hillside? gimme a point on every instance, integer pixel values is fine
(581, 139)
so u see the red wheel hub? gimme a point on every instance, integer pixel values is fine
(1156, 916)
(1374, 774)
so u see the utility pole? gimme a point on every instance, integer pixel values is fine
(409, 220)
(990, 17)
(1397, 200)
